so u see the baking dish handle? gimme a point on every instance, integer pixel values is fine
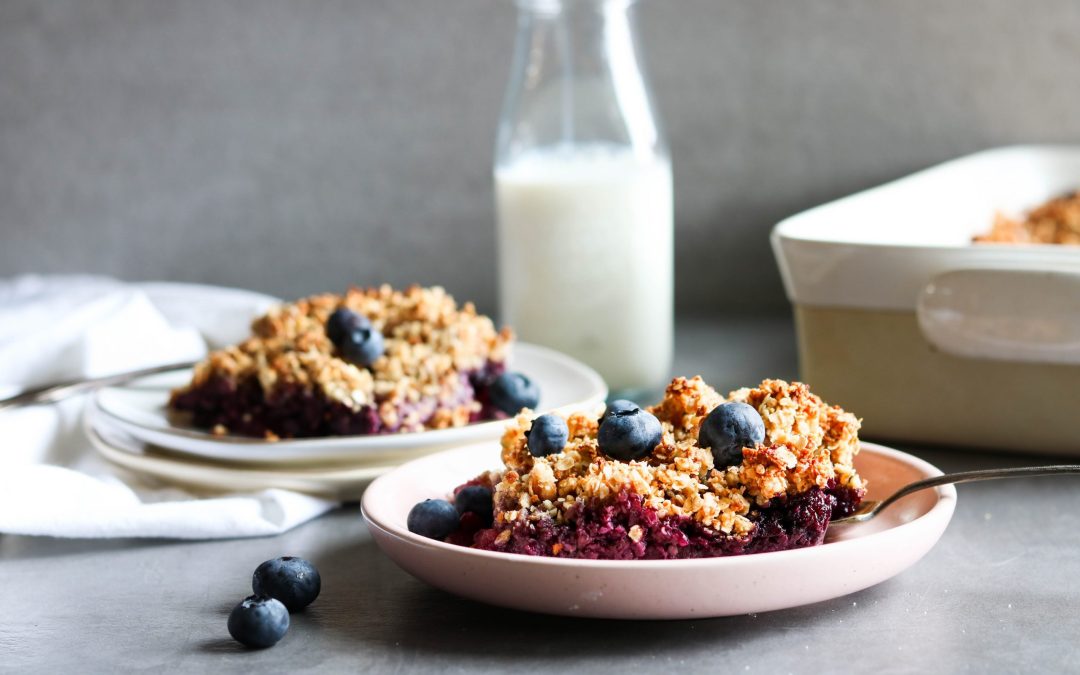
(1003, 314)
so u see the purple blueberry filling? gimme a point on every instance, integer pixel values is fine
(602, 531)
(293, 411)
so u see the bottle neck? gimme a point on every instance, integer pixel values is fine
(583, 38)
(577, 79)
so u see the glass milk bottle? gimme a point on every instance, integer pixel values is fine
(584, 195)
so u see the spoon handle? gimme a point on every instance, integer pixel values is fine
(50, 393)
(971, 476)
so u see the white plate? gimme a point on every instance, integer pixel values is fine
(139, 409)
(854, 557)
(127, 452)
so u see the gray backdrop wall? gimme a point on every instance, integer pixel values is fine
(299, 146)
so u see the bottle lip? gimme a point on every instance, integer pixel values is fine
(552, 6)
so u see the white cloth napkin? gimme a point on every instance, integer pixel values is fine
(51, 480)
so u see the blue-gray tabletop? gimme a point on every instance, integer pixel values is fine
(997, 594)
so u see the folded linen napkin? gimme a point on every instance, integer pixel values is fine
(51, 480)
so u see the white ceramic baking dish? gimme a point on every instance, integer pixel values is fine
(929, 337)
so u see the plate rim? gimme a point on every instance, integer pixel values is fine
(137, 463)
(942, 509)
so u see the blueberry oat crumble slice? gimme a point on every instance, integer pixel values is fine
(697, 475)
(371, 361)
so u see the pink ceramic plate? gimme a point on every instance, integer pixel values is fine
(853, 558)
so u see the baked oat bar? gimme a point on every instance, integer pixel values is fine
(430, 368)
(677, 501)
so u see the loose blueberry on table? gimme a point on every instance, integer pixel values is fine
(258, 622)
(697, 475)
(294, 581)
(281, 585)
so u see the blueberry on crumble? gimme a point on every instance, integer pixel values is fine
(344, 321)
(547, 435)
(355, 338)
(362, 346)
(620, 404)
(513, 392)
(628, 433)
(728, 429)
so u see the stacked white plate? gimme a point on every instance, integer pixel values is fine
(130, 426)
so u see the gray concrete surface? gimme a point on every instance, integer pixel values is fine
(301, 145)
(997, 594)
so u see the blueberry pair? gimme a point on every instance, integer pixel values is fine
(281, 585)
(438, 518)
(626, 432)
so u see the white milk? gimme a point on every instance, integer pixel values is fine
(586, 259)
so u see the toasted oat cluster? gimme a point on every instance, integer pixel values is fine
(288, 379)
(675, 502)
(1055, 222)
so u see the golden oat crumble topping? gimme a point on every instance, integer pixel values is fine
(429, 343)
(1055, 222)
(807, 444)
